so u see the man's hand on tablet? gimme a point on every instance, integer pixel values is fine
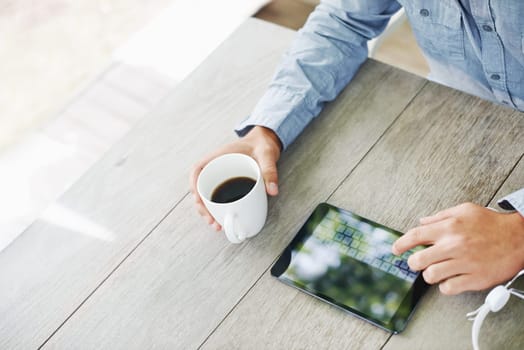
(470, 247)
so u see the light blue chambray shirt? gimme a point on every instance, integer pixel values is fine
(472, 45)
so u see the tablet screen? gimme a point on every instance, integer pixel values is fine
(346, 260)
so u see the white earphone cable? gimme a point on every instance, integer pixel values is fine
(495, 301)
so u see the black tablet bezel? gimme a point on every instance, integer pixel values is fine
(411, 299)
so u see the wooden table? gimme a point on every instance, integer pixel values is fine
(122, 261)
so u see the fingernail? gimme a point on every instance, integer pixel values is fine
(273, 188)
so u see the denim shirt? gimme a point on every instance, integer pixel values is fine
(476, 46)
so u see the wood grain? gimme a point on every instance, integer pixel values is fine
(437, 155)
(141, 84)
(288, 13)
(434, 155)
(514, 182)
(132, 277)
(442, 316)
(62, 258)
(276, 316)
(181, 282)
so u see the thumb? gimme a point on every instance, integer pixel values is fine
(269, 171)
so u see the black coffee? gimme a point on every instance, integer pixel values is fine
(232, 189)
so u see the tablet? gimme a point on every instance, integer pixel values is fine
(346, 261)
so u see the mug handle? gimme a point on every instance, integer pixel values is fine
(229, 228)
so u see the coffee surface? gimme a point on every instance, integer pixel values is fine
(232, 189)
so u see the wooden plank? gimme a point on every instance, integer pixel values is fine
(276, 316)
(514, 182)
(288, 13)
(68, 131)
(183, 280)
(102, 114)
(101, 122)
(115, 101)
(58, 262)
(139, 83)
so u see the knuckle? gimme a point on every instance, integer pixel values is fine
(464, 205)
(449, 288)
(270, 170)
(197, 199)
(413, 233)
(419, 235)
(267, 153)
(195, 168)
(193, 175)
(454, 221)
(429, 275)
(449, 244)
(468, 206)
(461, 240)
(202, 210)
(451, 224)
(209, 219)
(415, 262)
(445, 288)
(266, 149)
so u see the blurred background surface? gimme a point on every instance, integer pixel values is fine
(76, 75)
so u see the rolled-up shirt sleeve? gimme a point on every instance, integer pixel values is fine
(513, 201)
(324, 56)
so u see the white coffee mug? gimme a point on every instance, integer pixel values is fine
(245, 217)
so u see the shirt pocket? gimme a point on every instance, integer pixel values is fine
(438, 27)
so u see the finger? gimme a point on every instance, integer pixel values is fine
(421, 235)
(447, 213)
(198, 200)
(432, 255)
(441, 215)
(197, 168)
(210, 220)
(442, 271)
(193, 177)
(458, 284)
(268, 167)
(205, 214)
(202, 210)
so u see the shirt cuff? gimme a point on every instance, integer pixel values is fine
(283, 111)
(513, 201)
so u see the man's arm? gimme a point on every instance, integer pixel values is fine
(322, 59)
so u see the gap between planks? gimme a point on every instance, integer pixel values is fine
(327, 199)
(114, 270)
